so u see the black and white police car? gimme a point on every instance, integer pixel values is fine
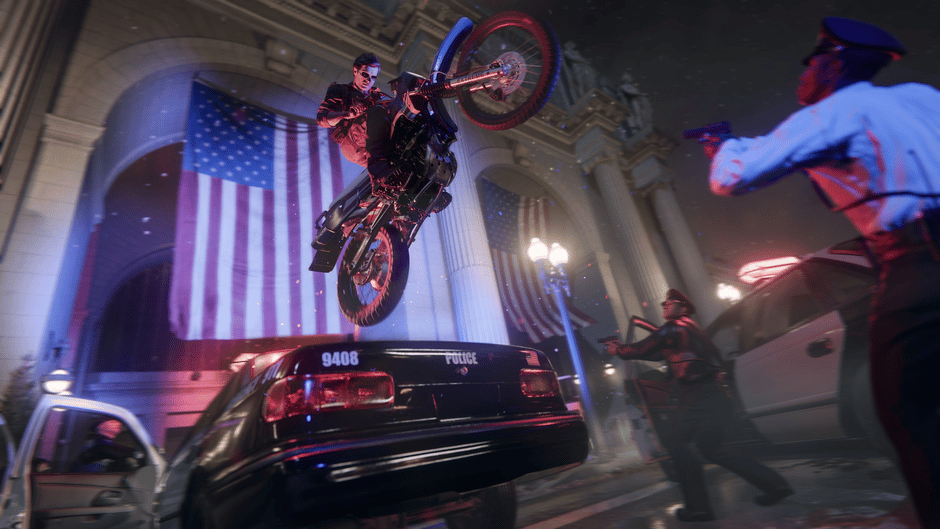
(364, 430)
(351, 434)
(797, 347)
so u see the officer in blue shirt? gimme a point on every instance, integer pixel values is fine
(874, 153)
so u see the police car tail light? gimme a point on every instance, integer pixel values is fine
(356, 391)
(539, 383)
(307, 394)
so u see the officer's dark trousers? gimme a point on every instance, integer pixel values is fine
(703, 411)
(904, 333)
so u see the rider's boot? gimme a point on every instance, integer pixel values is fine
(328, 242)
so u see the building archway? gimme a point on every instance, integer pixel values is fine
(130, 356)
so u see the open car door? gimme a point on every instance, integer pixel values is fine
(647, 398)
(82, 464)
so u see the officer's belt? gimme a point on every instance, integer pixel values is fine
(923, 232)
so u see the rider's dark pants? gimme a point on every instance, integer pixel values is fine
(703, 411)
(904, 334)
(378, 142)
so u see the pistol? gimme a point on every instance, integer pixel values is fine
(714, 129)
(608, 339)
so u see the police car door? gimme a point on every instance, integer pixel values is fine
(83, 464)
(788, 374)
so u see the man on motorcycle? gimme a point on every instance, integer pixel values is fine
(358, 113)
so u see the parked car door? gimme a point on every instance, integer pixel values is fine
(787, 372)
(82, 464)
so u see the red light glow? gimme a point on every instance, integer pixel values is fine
(539, 383)
(307, 394)
(756, 271)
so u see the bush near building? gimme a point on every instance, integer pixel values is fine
(20, 398)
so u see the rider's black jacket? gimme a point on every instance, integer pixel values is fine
(350, 134)
(689, 352)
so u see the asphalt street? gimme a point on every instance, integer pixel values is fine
(833, 490)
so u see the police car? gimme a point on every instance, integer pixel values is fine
(348, 434)
(370, 430)
(797, 347)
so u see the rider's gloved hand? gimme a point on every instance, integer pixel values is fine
(355, 110)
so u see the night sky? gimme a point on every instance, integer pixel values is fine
(738, 60)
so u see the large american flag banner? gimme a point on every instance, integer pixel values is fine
(511, 222)
(251, 186)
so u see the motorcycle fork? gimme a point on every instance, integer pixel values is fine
(382, 218)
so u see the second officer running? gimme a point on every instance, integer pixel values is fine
(702, 408)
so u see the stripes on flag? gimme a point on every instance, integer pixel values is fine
(251, 187)
(511, 222)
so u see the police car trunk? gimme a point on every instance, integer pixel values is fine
(393, 421)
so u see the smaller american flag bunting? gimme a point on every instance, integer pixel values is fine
(511, 222)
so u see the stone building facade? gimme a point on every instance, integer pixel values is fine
(95, 98)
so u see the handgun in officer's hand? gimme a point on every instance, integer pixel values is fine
(713, 129)
(710, 136)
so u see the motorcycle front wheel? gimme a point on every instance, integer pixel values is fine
(529, 52)
(369, 294)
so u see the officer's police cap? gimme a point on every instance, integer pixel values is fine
(836, 31)
(679, 297)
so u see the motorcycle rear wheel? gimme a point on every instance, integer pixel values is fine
(530, 49)
(369, 295)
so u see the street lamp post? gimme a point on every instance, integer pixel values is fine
(59, 382)
(551, 264)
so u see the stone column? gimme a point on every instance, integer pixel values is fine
(478, 312)
(39, 237)
(650, 177)
(645, 272)
(688, 257)
(622, 310)
(22, 24)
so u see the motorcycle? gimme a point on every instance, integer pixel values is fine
(505, 73)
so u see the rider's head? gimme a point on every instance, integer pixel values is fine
(847, 51)
(365, 70)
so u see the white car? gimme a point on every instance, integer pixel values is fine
(79, 461)
(345, 433)
(797, 347)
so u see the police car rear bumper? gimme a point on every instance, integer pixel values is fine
(355, 475)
